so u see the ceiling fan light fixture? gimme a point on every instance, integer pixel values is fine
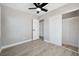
(38, 9)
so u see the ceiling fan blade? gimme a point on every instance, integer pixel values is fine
(35, 4)
(43, 4)
(32, 8)
(44, 9)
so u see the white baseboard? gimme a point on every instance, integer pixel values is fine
(47, 41)
(52, 43)
(14, 44)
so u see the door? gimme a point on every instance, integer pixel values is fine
(35, 29)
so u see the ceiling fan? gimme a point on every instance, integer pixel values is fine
(39, 7)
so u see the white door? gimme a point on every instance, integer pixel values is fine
(35, 29)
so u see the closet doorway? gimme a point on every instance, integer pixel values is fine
(70, 30)
(41, 29)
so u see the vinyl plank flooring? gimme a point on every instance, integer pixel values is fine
(37, 48)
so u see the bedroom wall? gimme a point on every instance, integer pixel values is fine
(46, 29)
(55, 30)
(16, 26)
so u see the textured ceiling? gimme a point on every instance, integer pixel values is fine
(24, 7)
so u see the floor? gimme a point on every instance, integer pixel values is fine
(37, 48)
(71, 47)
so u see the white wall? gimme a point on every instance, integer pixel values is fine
(46, 29)
(16, 26)
(55, 29)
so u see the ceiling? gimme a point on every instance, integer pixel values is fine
(24, 7)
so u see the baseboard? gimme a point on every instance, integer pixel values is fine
(52, 43)
(70, 45)
(14, 44)
(47, 41)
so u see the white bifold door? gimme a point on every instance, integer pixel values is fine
(35, 29)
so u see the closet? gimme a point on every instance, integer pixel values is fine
(70, 30)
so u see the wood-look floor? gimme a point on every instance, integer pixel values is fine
(37, 48)
(70, 47)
